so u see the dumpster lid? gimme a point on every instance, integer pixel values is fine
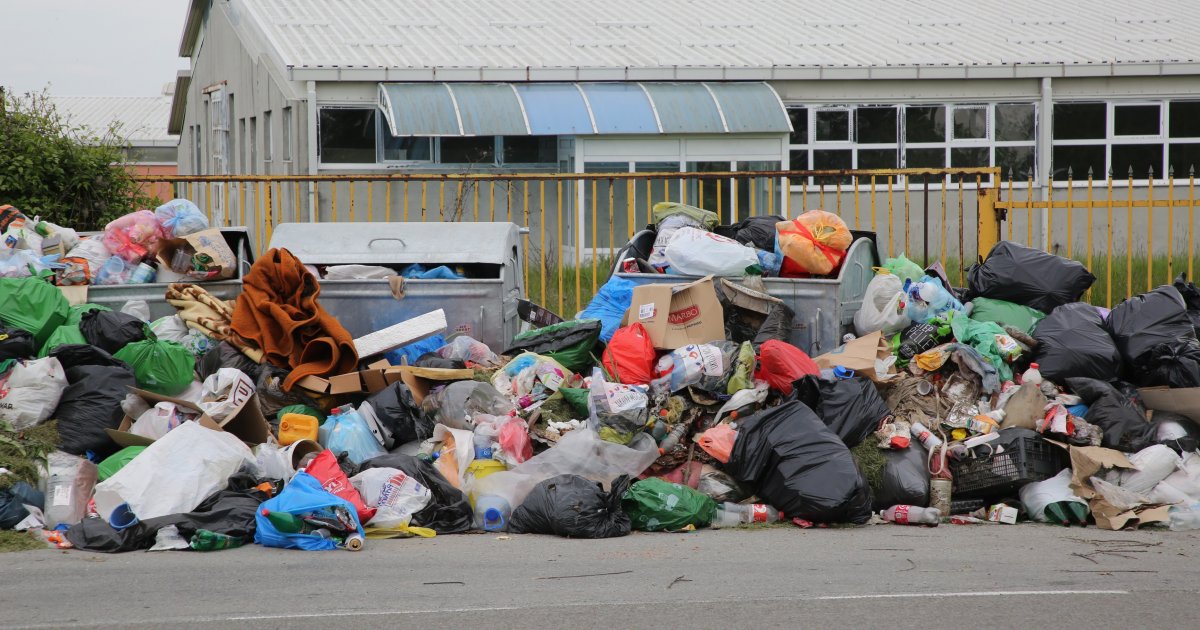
(391, 243)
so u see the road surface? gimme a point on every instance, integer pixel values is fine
(1032, 576)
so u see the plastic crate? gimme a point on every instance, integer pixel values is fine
(1026, 458)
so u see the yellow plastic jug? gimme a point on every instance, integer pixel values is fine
(294, 427)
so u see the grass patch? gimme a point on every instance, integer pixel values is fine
(19, 541)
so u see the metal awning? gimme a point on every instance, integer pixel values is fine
(570, 109)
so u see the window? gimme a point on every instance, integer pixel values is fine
(799, 118)
(468, 150)
(1125, 139)
(407, 149)
(347, 136)
(1137, 120)
(833, 125)
(970, 123)
(245, 158)
(230, 138)
(530, 149)
(268, 139)
(924, 124)
(151, 155)
(253, 161)
(1080, 121)
(286, 136)
(1184, 133)
(876, 125)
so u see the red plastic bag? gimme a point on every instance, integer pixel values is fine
(780, 364)
(630, 356)
(514, 440)
(718, 442)
(324, 468)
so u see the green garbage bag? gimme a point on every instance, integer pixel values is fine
(302, 409)
(664, 209)
(32, 305)
(743, 371)
(1004, 313)
(163, 367)
(982, 337)
(117, 461)
(571, 343)
(77, 311)
(62, 336)
(656, 505)
(903, 268)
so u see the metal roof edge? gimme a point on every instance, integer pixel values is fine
(183, 80)
(191, 26)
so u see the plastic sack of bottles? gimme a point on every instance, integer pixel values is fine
(345, 431)
(882, 307)
(180, 217)
(134, 236)
(927, 299)
(813, 243)
(469, 350)
(303, 497)
(617, 412)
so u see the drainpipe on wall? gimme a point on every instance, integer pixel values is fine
(1044, 154)
(313, 211)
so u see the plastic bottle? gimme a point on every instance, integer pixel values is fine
(206, 540)
(287, 522)
(912, 515)
(491, 513)
(1032, 376)
(734, 514)
(841, 373)
(1185, 518)
(925, 436)
(1072, 513)
(672, 439)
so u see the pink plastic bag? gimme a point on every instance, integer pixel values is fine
(134, 236)
(514, 440)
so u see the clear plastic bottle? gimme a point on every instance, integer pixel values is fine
(69, 484)
(925, 436)
(1032, 376)
(1185, 518)
(734, 514)
(491, 513)
(912, 515)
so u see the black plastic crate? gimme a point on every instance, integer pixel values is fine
(1026, 458)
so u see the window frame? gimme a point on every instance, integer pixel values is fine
(1162, 171)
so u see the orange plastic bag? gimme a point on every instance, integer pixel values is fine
(718, 442)
(814, 243)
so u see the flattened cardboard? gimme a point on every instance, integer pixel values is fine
(245, 423)
(1110, 517)
(377, 376)
(676, 315)
(860, 355)
(1184, 401)
(747, 298)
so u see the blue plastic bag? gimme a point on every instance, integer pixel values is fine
(609, 305)
(345, 431)
(418, 272)
(302, 495)
(180, 217)
(415, 350)
(927, 299)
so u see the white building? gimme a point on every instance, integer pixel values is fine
(136, 121)
(330, 86)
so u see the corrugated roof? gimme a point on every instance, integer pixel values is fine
(142, 120)
(517, 40)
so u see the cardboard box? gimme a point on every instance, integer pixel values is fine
(1001, 513)
(676, 315)
(379, 375)
(246, 423)
(1184, 401)
(860, 355)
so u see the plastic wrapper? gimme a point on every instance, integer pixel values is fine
(448, 512)
(85, 261)
(903, 268)
(1124, 425)
(904, 479)
(609, 305)
(345, 431)
(851, 408)
(813, 243)
(457, 404)
(718, 442)
(303, 496)
(173, 328)
(666, 231)
(1005, 313)
(882, 307)
(111, 330)
(780, 364)
(163, 367)
(1037, 496)
(1153, 328)
(694, 252)
(134, 236)
(22, 263)
(13, 500)
(1028, 276)
(69, 481)
(570, 343)
(180, 217)
(397, 410)
(32, 305)
(705, 366)
(758, 231)
(16, 344)
(1151, 465)
(218, 393)
(158, 421)
(617, 412)
(467, 349)
(719, 486)
(32, 392)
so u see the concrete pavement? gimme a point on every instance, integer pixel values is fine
(884, 575)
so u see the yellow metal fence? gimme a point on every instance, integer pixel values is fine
(578, 222)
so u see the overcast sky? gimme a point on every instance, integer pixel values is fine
(90, 47)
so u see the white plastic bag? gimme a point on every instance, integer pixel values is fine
(175, 474)
(173, 328)
(357, 272)
(94, 251)
(617, 412)
(138, 308)
(224, 391)
(882, 307)
(1036, 496)
(32, 392)
(159, 420)
(666, 231)
(1187, 478)
(395, 495)
(458, 451)
(1153, 464)
(69, 483)
(694, 252)
(274, 462)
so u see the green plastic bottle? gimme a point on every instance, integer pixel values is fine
(207, 540)
(286, 522)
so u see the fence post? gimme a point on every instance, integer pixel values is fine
(988, 233)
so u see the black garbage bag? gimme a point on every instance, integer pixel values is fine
(1191, 297)
(76, 355)
(905, 478)
(16, 344)
(1073, 342)
(448, 512)
(573, 507)
(916, 339)
(399, 413)
(13, 500)
(1125, 427)
(1156, 339)
(231, 511)
(1177, 431)
(746, 324)
(434, 360)
(795, 463)
(272, 397)
(90, 404)
(571, 343)
(777, 325)
(1028, 276)
(851, 408)
(225, 355)
(758, 232)
(111, 330)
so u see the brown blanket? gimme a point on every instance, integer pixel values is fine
(278, 312)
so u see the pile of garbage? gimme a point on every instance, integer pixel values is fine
(659, 407)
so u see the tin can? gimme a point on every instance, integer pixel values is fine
(142, 274)
(939, 495)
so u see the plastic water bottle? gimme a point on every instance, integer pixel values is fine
(671, 440)
(1032, 376)
(912, 515)
(207, 540)
(1185, 518)
(925, 436)
(491, 513)
(734, 514)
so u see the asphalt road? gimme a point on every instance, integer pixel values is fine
(1032, 576)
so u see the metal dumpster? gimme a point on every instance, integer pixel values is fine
(484, 305)
(824, 308)
(115, 296)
